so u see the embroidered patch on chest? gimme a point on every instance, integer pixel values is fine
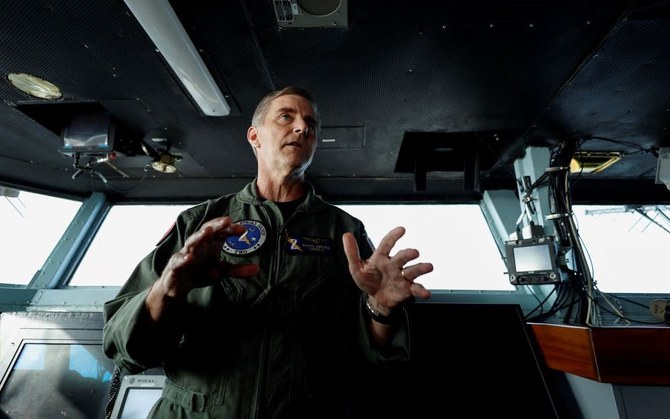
(248, 242)
(301, 245)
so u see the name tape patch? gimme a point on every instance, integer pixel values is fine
(301, 245)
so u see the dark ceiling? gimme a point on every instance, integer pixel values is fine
(421, 101)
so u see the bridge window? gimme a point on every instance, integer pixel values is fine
(625, 245)
(31, 225)
(454, 238)
(128, 233)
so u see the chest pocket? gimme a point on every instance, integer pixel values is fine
(311, 264)
(245, 291)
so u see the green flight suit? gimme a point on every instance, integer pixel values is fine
(278, 345)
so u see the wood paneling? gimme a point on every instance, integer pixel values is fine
(621, 355)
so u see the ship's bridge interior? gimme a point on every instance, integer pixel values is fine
(524, 144)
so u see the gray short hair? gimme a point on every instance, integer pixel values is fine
(264, 104)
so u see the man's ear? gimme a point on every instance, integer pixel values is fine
(252, 137)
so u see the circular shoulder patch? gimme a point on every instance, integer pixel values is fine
(251, 240)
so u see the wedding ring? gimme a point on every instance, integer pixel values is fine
(402, 273)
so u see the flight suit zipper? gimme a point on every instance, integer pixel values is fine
(272, 217)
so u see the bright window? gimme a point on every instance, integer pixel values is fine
(128, 233)
(30, 226)
(627, 246)
(454, 238)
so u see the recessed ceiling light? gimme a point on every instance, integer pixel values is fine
(34, 86)
(593, 161)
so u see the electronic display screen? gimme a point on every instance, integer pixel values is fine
(138, 402)
(533, 258)
(89, 133)
(137, 395)
(72, 376)
(532, 261)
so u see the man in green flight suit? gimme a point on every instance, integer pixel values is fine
(254, 303)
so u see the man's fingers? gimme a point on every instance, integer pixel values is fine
(419, 290)
(406, 255)
(389, 240)
(410, 273)
(222, 227)
(231, 230)
(351, 249)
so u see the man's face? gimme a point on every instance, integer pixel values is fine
(285, 140)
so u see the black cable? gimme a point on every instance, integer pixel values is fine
(113, 392)
(137, 185)
(578, 284)
(540, 306)
(618, 315)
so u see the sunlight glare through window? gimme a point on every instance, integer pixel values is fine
(626, 246)
(30, 226)
(128, 234)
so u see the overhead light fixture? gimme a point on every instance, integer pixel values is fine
(163, 27)
(34, 86)
(593, 161)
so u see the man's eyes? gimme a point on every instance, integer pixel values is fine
(289, 118)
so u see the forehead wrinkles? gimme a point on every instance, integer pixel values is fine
(284, 104)
(293, 112)
(286, 109)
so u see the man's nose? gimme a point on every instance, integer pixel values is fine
(302, 128)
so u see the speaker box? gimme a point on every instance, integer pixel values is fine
(311, 13)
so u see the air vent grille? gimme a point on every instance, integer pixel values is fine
(284, 11)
